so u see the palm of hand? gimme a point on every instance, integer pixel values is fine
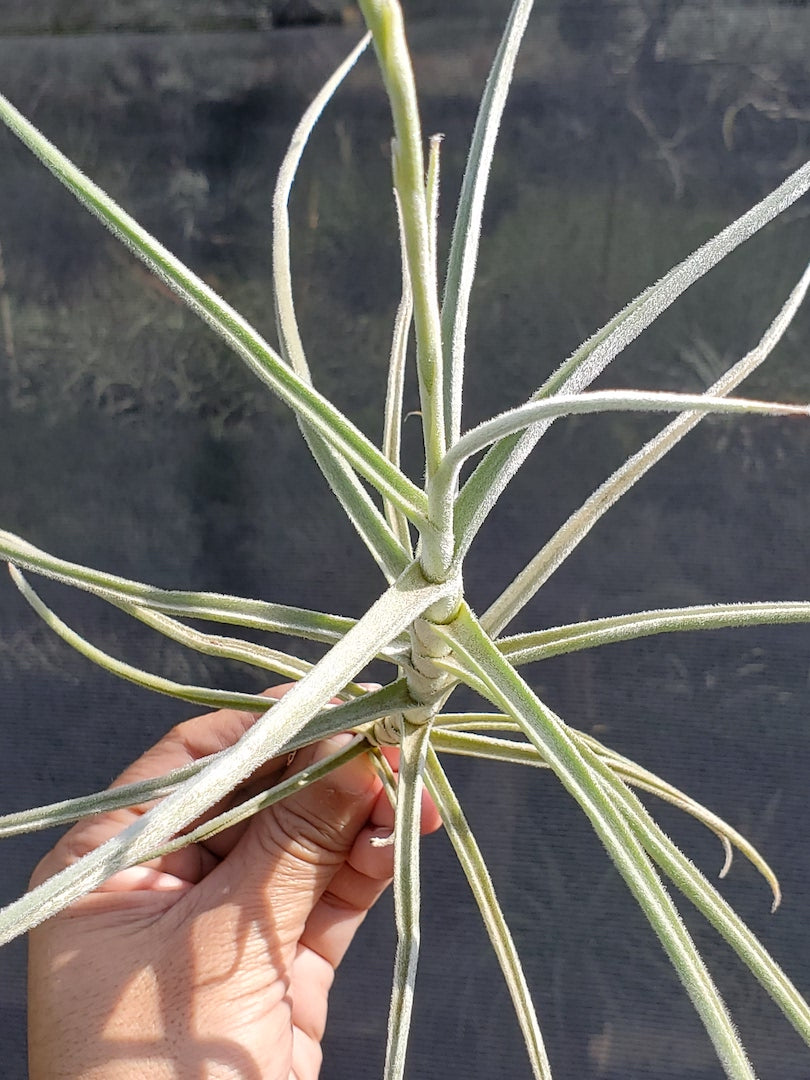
(215, 961)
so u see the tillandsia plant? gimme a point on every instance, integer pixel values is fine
(422, 624)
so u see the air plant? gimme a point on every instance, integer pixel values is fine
(422, 625)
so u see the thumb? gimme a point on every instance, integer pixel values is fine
(290, 853)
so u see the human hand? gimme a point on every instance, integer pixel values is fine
(214, 961)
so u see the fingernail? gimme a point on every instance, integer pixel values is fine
(339, 741)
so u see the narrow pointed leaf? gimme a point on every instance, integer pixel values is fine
(68, 810)
(432, 188)
(407, 893)
(287, 322)
(441, 486)
(216, 607)
(198, 695)
(487, 721)
(222, 646)
(340, 476)
(475, 870)
(542, 644)
(543, 565)
(507, 691)
(256, 353)
(392, 423)
(485, 486)
(467, 226)
(474, 744)
(645, 780)
(689, 880)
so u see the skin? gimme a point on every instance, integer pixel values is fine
(214, 962)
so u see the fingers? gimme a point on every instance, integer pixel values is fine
(312, 865)
(330, 929)
(290, 852)
(341, 909)
(325, 846)
(185, 743)
(360, 882)
(307, 818)
(384, 811)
